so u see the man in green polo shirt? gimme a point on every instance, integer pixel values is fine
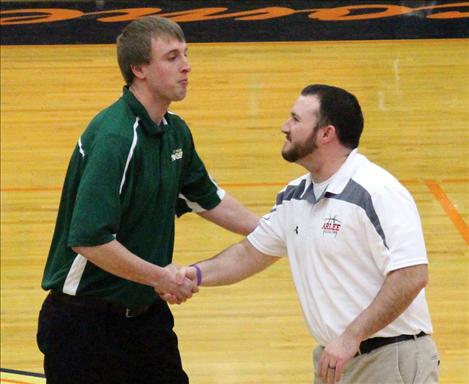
(133, 169)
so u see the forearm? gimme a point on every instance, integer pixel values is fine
(114, 258)
(397, 292)
(234, 264)
(232, 215)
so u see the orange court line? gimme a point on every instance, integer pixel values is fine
(238, 185)
(13, 381)
(455, 181)
(224, 185)
(31, 189)
(449, 208)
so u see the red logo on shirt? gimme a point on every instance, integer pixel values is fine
(331, 226)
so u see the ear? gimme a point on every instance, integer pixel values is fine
(328, 134)
(138, 71)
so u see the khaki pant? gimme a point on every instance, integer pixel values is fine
(408, 362)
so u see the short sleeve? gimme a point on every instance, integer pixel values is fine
(199, 192)
(97, 209)
(269, 236)
(402, 227)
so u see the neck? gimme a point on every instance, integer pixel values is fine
(155, 106)
(323, 164)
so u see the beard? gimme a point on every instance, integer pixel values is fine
(298, 151)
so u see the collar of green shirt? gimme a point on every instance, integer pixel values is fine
(139, 110)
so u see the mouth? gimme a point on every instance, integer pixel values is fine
(184, 82)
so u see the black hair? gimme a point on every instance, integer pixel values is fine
(340, 109)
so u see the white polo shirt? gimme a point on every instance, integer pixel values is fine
(342, 245)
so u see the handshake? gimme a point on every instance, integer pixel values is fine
(177, 284)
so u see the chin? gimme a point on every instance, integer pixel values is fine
(179, 97)
(289, 156)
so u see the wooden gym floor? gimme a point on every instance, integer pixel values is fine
(415, 98)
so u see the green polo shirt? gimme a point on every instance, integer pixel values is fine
(126, 180)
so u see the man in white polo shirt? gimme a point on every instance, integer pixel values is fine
(354, 240)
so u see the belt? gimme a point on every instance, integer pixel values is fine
(377, 342)
(97, 304)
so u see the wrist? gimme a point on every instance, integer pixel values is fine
(355, 332)
(157, 276)
(198, 273)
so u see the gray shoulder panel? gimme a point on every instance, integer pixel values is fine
(354, 193)
(291, 192)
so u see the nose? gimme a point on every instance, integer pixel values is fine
(186, 67)
(286, 126)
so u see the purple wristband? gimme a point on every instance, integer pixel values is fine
(199, 273)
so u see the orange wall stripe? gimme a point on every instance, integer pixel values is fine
(449, 208)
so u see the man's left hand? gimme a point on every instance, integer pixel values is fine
(335, 357)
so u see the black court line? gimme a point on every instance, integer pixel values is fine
(100, 21)
(24, 373)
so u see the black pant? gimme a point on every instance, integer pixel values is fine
(87, 346)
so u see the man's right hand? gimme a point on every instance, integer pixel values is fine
(177, 284)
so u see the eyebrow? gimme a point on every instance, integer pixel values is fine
(176, 50)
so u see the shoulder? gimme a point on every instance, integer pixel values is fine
(377, 181)
(114, 126)
(293, 189)
(298, 181)
(117, 118)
